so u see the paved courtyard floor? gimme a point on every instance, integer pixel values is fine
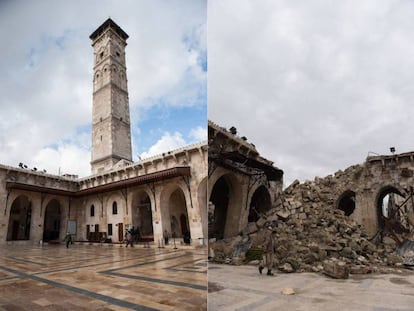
(243, 288)
(87, 277)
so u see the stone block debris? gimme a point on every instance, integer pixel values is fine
(313, 236)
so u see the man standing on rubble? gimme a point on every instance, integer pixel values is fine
(269, 251)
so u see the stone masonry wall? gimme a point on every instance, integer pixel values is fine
(312, 234)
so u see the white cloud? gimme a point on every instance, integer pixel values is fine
(67, 159)
(166, 143)
(198, 134)
(315, 86)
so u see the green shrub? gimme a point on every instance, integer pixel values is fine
(255, 253)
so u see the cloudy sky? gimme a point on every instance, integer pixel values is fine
(46, 82)
(315, 85)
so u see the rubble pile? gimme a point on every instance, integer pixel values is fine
(321, 239)
(311, 235)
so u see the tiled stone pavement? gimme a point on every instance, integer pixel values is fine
(242, 288)
(88, 277)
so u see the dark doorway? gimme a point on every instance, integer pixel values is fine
(145, 211)
(220, 200)
(15, 230)
(51, 228)
(184, 227)
(259, 204)
(20, 219)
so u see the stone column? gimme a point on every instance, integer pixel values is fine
(157, 216)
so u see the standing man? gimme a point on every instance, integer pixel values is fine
(166, 237)
(68, 239)
(129, 240)
(269, 247)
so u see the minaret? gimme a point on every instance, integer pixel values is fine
(111, 130)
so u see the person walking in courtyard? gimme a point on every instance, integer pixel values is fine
(137, 235)
(128, 237)
(166, 236)
(68, 239)
(133, 234)
(269, 251)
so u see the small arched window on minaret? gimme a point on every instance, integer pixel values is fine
(100, 55)
(98, 79)
(122, 80)
(114, 208)
(114, 74)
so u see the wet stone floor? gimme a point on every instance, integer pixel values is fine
(311, 291)
(107, 277)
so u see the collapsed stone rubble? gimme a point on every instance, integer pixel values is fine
(311, 236)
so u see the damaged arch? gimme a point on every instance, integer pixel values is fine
(386, 205)
(224, 211)
(346, 202)
(259, 204)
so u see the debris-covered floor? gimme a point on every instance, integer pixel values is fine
(311, 236)
(242, 288)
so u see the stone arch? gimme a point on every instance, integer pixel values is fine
(123, 80)
(224, 207)
(97, 80)
(92, 210)
(174, 200)
(202, 204)
(20, 219)
(98, 76)
(382, 211)
(259, 204)
(117, 220)
(141, 213)
(90, 220)
(106, 70)
(52, 221)
(100, 54)
(115, 73)
(178, 216)
(120, 205)
(114, 208)
(346, 202)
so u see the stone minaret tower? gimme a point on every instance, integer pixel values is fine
(111, 130)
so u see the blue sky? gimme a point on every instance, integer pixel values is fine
(46, 86)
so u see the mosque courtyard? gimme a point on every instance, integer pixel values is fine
(242, 288)
(102, 277)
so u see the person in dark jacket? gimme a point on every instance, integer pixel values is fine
(269, 247)
(128, 238)
(187, 237)
(68, 239)
(166, 237)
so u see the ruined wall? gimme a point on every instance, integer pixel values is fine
(328, 225)
(364, 184)
(241, 183)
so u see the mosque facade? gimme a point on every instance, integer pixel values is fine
(164, 194)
